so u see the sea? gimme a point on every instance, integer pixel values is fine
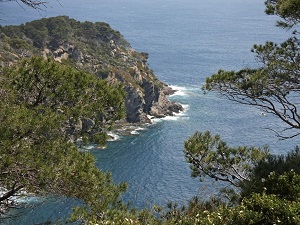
(187, 41)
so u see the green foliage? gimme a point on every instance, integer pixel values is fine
(211, 156)
(270, 169)
(37, 32)
(270, 187)
(278, 77)
(279, 203)
(274, 88)
(288, 10)
(18, 43)
(256, 209)
(46, 86)
(40, 102)
(54, 32)
(279, 164)
(269, 209)
(259, 209)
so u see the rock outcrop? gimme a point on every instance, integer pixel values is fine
(150, 100)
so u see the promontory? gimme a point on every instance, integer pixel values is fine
(97, 49)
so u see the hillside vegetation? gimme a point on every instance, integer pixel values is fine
(95, 48)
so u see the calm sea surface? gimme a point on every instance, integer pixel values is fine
(187, 41)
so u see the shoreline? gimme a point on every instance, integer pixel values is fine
(123, 128)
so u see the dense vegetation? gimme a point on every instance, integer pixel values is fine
(45, 104)
(45, 108)
(93, 47)
(52, 33)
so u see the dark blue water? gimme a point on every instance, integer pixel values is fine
(187, 41)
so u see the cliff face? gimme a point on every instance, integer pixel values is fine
(98, 49)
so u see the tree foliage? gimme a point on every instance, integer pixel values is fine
(274, 88)
(277, 202)
(68, 95)
(42, 107)
(264, 177)
(210, 156)
(288, 10)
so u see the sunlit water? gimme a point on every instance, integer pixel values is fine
(187, 41)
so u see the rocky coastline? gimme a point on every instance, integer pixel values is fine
(97, 49)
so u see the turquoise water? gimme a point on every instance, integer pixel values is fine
(187, 41)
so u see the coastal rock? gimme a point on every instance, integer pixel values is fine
(167, 90)
(163, 107)
(175, 107)
(151, 99)
(134, 103)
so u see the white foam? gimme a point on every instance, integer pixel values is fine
(141, 128)
(29, 200)
(185, 106)
(23, 197)
(134, 132)
(184, 112)
(156, 120)
(113, 136)
(171, 118)
(179, 91)
(88, 147)
(175, 117)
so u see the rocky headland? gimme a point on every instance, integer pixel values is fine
(98, 49)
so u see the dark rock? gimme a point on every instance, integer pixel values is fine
(175, 107)
(87, 124)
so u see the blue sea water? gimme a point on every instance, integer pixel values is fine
(186, 41)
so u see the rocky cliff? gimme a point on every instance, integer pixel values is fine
(98, 49)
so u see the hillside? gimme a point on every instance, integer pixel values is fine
(98, 49)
